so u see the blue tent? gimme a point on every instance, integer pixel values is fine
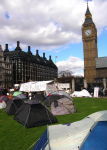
(42, 142)
(89, 133)
(97, 139)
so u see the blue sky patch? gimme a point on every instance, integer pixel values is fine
(7, 15)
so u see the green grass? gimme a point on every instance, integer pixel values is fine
(13, 136)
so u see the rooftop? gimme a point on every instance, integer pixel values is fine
(101, 62)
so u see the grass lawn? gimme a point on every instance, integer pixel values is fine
(13, 136)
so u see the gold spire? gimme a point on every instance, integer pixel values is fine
(88, 14)
(87, 3)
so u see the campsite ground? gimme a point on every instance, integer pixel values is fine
(14, 136)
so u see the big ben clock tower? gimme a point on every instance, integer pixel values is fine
(89, 37)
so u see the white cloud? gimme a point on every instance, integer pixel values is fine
(72, 64)
(99, 13)
(47, 23)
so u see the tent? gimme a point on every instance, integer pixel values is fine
(51, 87)
(13, 105)
(32, 114)
(61, 92)
(27, 87)
(3, 91)
(83, 93)
(16, 93)
(4, 98)
(20, 96)
(97, 138)
(36, 86)
(63, 86)
(62, 106)
(73, 136)
(39, 97)
(2, 104)
(51, 98)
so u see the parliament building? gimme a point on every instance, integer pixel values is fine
(95, 68)
(28, 67)
(6, 79)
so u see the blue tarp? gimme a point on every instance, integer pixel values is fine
(97, 139)
(41, 144)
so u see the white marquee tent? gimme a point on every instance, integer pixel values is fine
(36, 86)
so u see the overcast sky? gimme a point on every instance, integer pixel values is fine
(52, 26)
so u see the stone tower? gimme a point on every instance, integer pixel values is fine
(89, 37)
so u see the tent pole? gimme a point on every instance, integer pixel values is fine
(27, 117)
(48, 137)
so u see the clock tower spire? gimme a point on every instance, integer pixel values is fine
(88, 16)
(89, 38)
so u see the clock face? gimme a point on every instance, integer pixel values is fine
(88, 32)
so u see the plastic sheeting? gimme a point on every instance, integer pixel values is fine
(72, 136)
(97, 139)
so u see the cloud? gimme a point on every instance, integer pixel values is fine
(72, 64)
(47, 23)
(96, 8)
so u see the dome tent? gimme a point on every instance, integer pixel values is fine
(51, 98)
(4, 98)
(32, 114)
(62, 106)
(73, 136)
(13, 105)
(20, 96)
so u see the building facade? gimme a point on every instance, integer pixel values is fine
(29, 67)
(2, 70)
(5, 71)
(76, 82)
(95, 68)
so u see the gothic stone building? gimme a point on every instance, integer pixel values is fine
(5, 71)
(29, 67)
(95, 68)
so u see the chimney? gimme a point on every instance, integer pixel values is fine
(50, 58)
(1, 48)
(37, 52)
(28, 48)
(43, 55)
(6, 47)
(18, 44)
